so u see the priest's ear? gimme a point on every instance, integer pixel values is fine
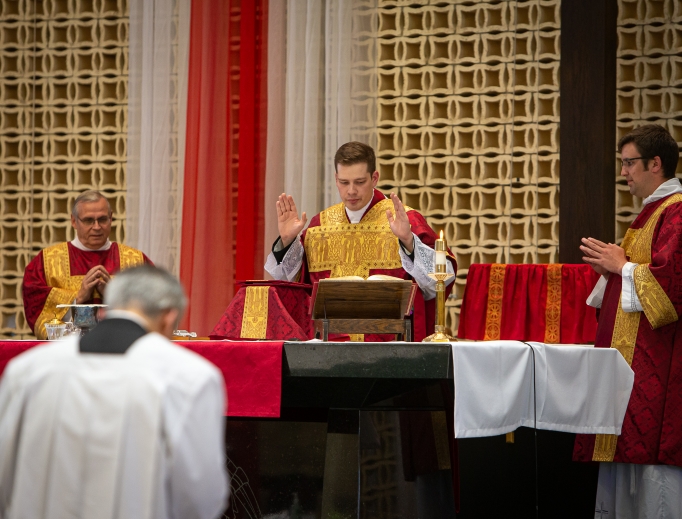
(167, 322)
(375, 178)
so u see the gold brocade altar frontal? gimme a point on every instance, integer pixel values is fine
(348, 249)
(656, 304)
(255, 318)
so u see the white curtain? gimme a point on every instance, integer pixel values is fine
(328, 94)
(274, 157)
(157, 97)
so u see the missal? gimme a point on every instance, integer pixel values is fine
(375, 277)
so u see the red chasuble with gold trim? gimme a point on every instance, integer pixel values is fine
(651, 341)
(334, 247)
(54, 277)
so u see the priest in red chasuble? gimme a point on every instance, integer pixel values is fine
(366, 234)
(640, 296)
(77, 271)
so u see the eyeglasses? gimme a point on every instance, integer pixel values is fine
(628, 163)
(89, 222)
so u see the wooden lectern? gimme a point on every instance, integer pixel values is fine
(363, 306)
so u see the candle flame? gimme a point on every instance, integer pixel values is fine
(441, 235)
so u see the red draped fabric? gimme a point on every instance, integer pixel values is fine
(252, 371)
(524, 303)
(288, 313)
(224, 157)
(252, 138)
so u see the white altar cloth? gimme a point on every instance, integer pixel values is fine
(577, 389)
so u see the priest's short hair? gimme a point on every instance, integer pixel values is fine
(150, 289)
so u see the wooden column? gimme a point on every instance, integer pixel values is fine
(588, 124)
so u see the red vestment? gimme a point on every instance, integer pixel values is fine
(55, 275)
(651, 340)
(424, 311)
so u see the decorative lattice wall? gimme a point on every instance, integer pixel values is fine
(63, 104)
(468, 125)
(649, 81)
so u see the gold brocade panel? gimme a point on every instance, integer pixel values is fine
(255, 316)
(493, 314)
(553, 304)
(352, 249)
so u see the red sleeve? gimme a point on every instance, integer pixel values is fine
(34, 289)
(666, 254)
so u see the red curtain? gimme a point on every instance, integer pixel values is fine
(252, 139)
(224, 156)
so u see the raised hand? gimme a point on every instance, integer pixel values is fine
(603, 257)
(96, 278)
(288, 222)
(400, 223)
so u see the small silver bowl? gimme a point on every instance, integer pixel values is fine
(84, 317)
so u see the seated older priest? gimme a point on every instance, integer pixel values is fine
(77, 271)
(366, 234)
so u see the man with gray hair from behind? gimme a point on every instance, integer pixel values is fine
(118, 424)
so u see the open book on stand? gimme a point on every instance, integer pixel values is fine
(375, 277)
(378, 297)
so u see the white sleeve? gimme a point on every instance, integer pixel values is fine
(291, 263)
(597, 295)
(423, 264)
(11, 410)
(198, 479)
(628, 296)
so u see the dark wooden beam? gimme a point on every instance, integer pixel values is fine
(588, 124)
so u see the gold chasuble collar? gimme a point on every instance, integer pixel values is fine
(657, 307)
(348, 249)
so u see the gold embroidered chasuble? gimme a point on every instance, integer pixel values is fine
(347, 249)
(353, 249)
(65, 286)
(656, 306)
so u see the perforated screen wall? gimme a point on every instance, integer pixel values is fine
(63, 103)
(468, 125)
(649, 81)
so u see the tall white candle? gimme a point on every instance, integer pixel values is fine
(440, 250)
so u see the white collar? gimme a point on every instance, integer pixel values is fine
(77, 243)
(126, 314)
(667, 188)
(356, 216)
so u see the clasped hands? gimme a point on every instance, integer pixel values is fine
(290, 225)
(96, 278)
(603, 257)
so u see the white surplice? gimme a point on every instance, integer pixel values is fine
(138, 435)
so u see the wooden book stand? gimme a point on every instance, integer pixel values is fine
(363, 306)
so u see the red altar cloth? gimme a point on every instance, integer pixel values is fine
(252, 371)
(518, 305)
(285, 316)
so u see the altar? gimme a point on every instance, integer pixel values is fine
(321, 429)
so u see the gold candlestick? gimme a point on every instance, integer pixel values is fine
(441, 276)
